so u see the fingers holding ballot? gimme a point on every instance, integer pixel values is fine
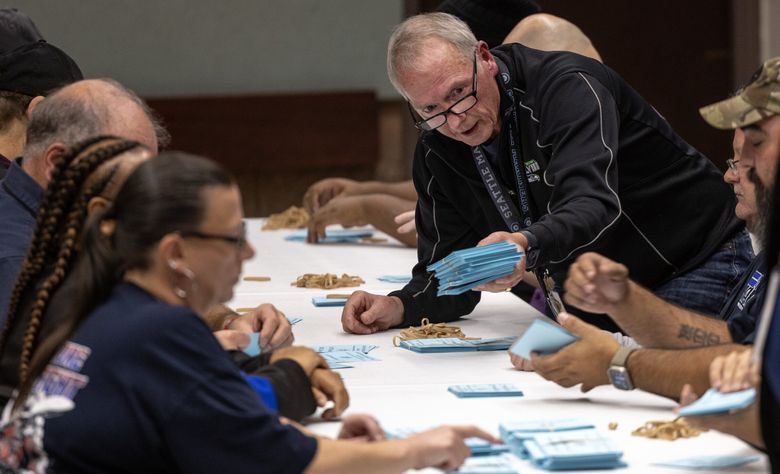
(506, 282)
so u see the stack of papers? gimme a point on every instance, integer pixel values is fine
(346, 357)
(542, 337)
(709, 462)
(333, 235)
(713, 402)
(462, 270)
(324, 301)
(500, 464)
(395, 278)
(453, 344)
(364, 348)
(558, 445)
(481, 390)
(478, 446)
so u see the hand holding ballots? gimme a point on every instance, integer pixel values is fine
(713, 402)
(542, 337)
(465, 269)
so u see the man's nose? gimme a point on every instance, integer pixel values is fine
(455, 120)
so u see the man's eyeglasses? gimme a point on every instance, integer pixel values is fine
(458, 108)
(238, 240)
(733, 165)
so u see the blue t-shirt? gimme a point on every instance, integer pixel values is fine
(20, 196)
(161, 396)
(742, 310)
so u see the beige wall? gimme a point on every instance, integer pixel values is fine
(188, 47)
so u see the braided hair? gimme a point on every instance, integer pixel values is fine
(55, 244)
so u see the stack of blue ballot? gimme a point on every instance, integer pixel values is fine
(561, 445)
(453, 344)
(462, 270)
(333, 235)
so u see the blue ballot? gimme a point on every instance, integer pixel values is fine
(322, 301)
(253, 348)
(542, 337)
(709, 462)
(453, 344)
(479, 390)
(713, 402)
(294, 321)
(332, 235)
(569, 450)
(395, 278)
(510, 430)
(465, 269)
(364, 348)
(496, 464)
(346, 357)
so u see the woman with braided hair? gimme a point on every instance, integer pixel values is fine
(155, 391)
(293, 380)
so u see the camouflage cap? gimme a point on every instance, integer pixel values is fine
(759, 99)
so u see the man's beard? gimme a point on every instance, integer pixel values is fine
(764, 205)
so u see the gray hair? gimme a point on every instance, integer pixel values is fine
(68, 119)
(406, 42)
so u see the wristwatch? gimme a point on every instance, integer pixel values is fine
(618, 370)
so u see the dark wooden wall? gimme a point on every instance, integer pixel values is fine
(277, 145)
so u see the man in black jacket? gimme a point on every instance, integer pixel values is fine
(556, 153)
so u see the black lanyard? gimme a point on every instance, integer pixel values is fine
(495, 190)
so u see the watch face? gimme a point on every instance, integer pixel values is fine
(619, 378)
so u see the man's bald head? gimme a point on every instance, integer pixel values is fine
(82, 110)
(551, 33)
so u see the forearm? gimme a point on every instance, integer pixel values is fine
(401, 189)
(655, 323)
(356, 457)
(664, 372)
(380, 211)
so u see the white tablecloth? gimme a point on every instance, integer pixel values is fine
(408, 389)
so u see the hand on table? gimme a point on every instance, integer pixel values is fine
(507, 282)
(361, 427)
(327, 385)
(349, 211)
(366, 313)
(584, 361)
(596, 283)
(443, 447)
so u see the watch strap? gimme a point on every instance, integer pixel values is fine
(621, 356)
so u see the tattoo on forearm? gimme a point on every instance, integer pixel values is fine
(698, 336)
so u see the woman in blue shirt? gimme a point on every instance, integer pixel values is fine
(153, 390)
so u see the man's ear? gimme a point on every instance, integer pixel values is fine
(53, 154)
(96, 204)
(484, 54)
(33, 104)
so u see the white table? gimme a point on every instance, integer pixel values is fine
(408, 389)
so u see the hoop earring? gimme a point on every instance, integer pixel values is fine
(186, 273)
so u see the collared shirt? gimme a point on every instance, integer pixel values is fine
(742, 310)
(20, 196)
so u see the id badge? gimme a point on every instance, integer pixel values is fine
(554, 301)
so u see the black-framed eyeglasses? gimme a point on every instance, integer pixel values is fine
(460, 107)
(238, 240)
